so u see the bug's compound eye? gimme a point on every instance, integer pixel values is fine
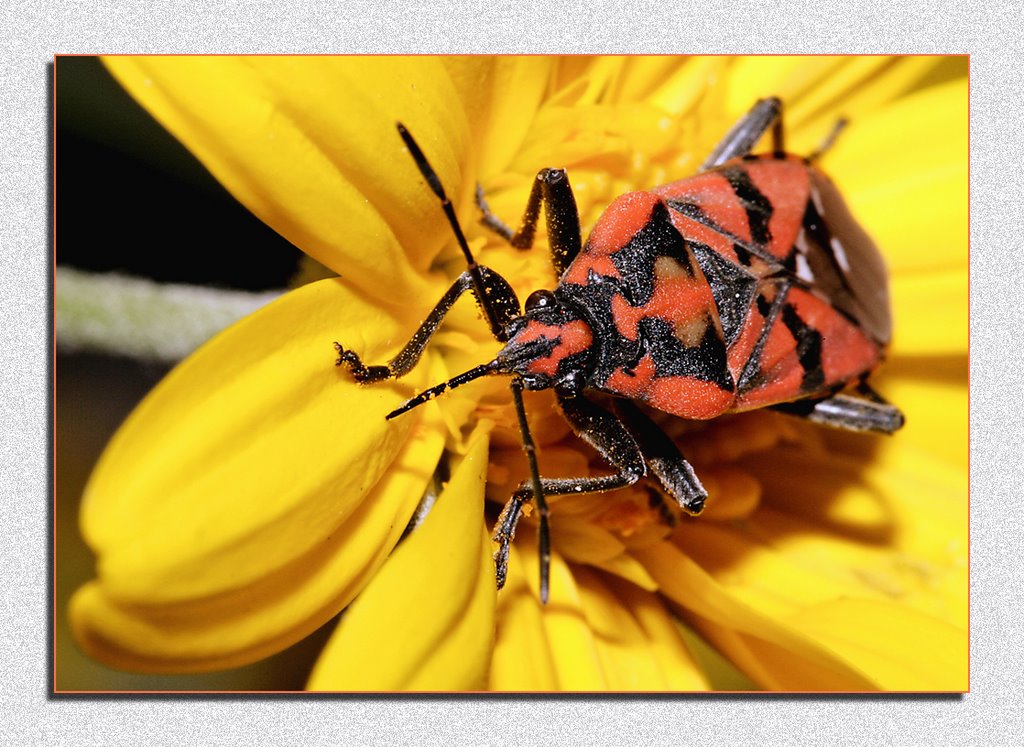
(541, 299)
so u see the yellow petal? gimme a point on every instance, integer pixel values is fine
(660, 80)
(574, 655)
(903, 171)
(250, 438)
(636, 640)
(238, 471)
(426, 622)
(889, 525)
(888, 532)
(272, 613)
(597, 633)
(721, 674)
(930, 313)
(674, 85)
(789, 77)
(919, 651)
(309, 145)
(856, 89)
(738, 629)
(627, 567)
(933, 393)
(522, 660)
(502, 98)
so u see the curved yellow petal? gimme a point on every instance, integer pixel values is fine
(637, 643)
(574, 655)
(890, 525)
(934, 395)
(260, 619)
(594, 634)
(505, 95)
(658, 80)
(239, 476)
(790, 77)
(919, 651)
(426, 622)
(245, 456)
(735, 626)
(522, 660)
(886, 532)
(309, 145)
(686, 84)
(856, 89)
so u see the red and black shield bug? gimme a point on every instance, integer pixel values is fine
(748, 285)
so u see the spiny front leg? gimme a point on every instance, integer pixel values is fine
(360, 372)
(613, 442)
(500, 297)
(505, 528)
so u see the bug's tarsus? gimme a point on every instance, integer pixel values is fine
(829, 140)
(361, 373)
(488, 217)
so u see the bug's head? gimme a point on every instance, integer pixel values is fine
(549, 345)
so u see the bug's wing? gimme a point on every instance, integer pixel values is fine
(838, 261)
(779, 217)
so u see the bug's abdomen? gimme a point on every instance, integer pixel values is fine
(755, 206)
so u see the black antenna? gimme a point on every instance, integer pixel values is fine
(494, 366)
(434, 391)
(474, 269)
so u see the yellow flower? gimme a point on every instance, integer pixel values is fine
(258, 491)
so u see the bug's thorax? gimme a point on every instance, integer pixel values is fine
(550, 345)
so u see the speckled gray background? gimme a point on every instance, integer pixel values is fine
(34, 30)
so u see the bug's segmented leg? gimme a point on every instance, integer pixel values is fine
(847, 412)
(489, 218)
(664, 458)
(829, 140)
(744, 134)
(610, 439)
(500, 296)
(552, 188)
